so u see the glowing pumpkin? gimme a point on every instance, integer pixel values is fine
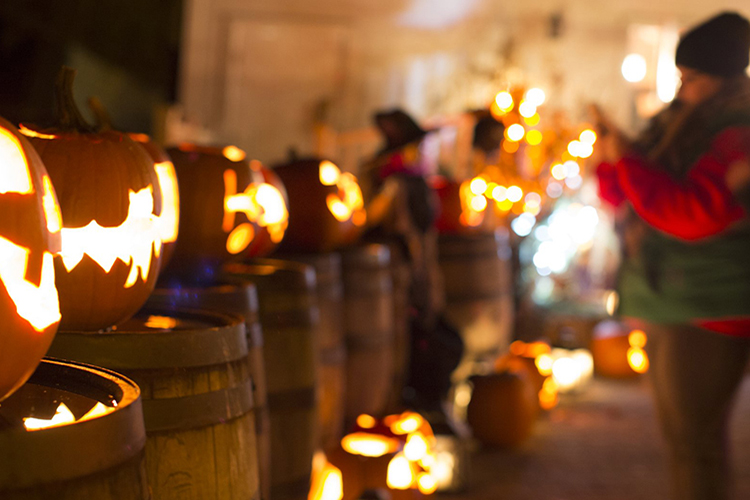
(503, 408)
(110, 200)
(617, 351)
(273, 211)
(216, 213)
(326, 208)
(29, 235)
(169, 217)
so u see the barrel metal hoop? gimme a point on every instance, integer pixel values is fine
(199, 410)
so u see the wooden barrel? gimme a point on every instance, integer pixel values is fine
(369, 327)
(330, 348)
(240, 299)
(197, 396)
(101, 458)
(290, 318)
(479, 294)
(401, 275)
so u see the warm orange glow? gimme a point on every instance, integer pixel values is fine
(504, 205)
(359, 218)
(427, 484)
(637, 338)
(534, 137)
(132, 242)
(240, 238)
(38, 305)
(366, 421)
(161, 322)
(515, 132)
(15, 176)
(233, 153)
(514, 193)
(368, 445)
(33, 133)
(407, 423)
(510, 146)
(588, 136)
(327, 482)
(544, 364)
(51, 208)
(401, 474)
(527, 109)
(168, 221)
(142, 138)
(558, 171)
(63, 416)
(638, 360)
(478, 186)
(504, 101)
(261, 203)
(478, 203)
(416, 446)
(349, 200)
(328, 173)
(548, 395)
(533, 120)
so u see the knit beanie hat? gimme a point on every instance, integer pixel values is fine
(720, 46)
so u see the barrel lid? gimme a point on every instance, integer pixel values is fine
(158, 338)
(233, 298)
(372, 255)
(273, 274)
(29, 458)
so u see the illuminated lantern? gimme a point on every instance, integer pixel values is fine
(503, 408)
(216, 211)
(273, 211)
(617, 351)
(110, 200)
(29, 235)
(169, 216)
(326, 207)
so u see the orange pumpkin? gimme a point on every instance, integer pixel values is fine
(273, 220)
(213, 230)
(29, 236)
(503, 408)
(609, 348)
(325, 206)
(110, 200)
(169, 216)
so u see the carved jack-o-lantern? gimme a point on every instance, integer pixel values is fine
(217, 217)
(325, 205)
(29, 234)
(109, 196)
(272, 203)
(169, 217)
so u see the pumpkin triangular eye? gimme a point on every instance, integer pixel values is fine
(14, 169)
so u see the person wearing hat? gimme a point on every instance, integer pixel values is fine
(685, 275)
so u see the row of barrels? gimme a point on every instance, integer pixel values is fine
(239, 383)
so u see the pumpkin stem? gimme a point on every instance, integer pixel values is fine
(101, 115)
(68, 115)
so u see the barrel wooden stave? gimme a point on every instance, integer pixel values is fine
(290, 319)
(479, 294)
(369, 327)
(241, 299)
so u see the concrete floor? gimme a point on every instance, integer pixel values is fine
(601, 444)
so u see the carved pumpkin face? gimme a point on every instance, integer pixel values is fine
(168, 220)
(325, 205)
(272, 204)
(218, 219)
(29, 235)
(110, 200)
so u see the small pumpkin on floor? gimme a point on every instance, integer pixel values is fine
(503, 407)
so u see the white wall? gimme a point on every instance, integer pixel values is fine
(256, 71)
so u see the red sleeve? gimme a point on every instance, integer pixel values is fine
(696, 207)
(609, 187)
